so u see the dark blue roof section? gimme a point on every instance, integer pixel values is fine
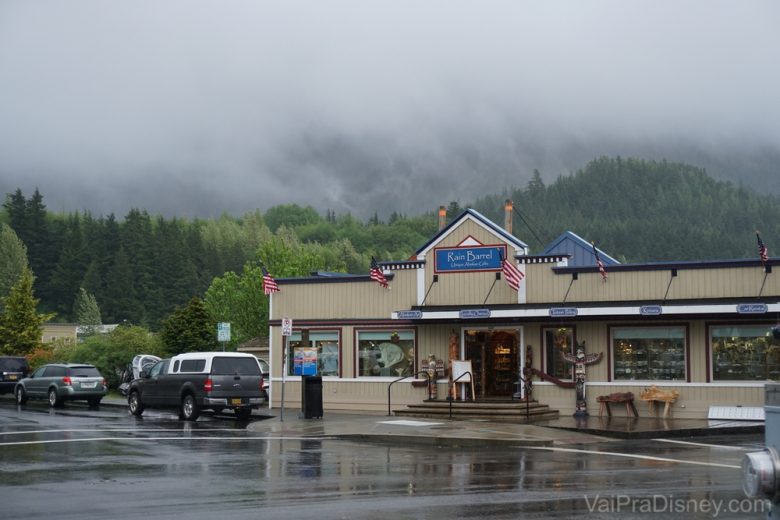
(481, 218)
(579, 250)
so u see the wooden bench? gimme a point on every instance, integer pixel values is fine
(655, 395)
(626, 398)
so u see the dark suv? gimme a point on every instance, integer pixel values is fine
(12, 370)
(200, 380)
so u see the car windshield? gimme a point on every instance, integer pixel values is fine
(13, 364)
(84, 372)
(225, 366)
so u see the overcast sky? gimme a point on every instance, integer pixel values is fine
(194, 108)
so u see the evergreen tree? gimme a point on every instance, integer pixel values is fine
(21, 327)
(86, 312)
(121, 303)
(69, 270)
(189, 329)
(13, 260)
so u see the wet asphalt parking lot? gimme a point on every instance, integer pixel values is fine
(80, 463)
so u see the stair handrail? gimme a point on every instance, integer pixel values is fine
(427, 376)
(527, 392)
(452, 383)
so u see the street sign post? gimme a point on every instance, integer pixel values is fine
(286, 333)
(223, 333)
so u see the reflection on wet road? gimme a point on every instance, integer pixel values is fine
(81, 463)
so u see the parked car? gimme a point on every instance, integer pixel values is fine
(133, 370)
(12, 370)
(265, 368)
(63, 382)
(200, 380)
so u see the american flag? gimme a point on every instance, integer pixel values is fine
(762, 252)
(269, 284)
(377, 275)
(512, 274)
(599, 263)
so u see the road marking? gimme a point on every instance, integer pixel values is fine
(404, 422)
(202, 438)
(630, 456)
(113, 430)
(701, 444)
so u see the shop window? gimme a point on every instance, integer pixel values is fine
(557, 342)
(649, 353)
(385, 353)
(313, 353)
(744, 353)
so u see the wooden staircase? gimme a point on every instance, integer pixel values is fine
(492, 410)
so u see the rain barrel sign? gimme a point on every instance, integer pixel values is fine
(465, 259)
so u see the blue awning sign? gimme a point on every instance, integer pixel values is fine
(470, 314)
(563, 312)
(409, 315)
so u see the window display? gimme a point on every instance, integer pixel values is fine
(744, 353)
(558, 341)
(649, 353)
(313, 352)
(385, 353)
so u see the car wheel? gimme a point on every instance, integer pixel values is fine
(134, 402)
(21, 395)
(54, 399)
(94, 402)
(189, 408)
(242, 414)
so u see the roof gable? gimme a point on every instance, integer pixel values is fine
(480, 220)
(579, 250)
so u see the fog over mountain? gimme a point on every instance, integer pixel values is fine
(194, 108)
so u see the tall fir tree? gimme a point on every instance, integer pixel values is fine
(86, 312)
(21, 327)
(189, 329)
(13, 260)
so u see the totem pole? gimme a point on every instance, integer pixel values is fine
(528, 385)
(453, 354)
(579, 360)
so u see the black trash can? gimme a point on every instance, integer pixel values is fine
(311, 397)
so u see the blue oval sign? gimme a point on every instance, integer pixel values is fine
(752, 308)
(650, 310)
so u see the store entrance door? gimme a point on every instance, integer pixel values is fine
(495, 360)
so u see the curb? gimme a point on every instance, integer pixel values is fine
(440, 441)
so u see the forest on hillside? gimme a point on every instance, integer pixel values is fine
(142, 267)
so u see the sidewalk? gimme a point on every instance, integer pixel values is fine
(431, 432)
(365, 426)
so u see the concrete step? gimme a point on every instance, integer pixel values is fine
(492, 410)
(548, 415)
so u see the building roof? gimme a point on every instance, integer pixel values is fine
(480, 219)
(579, 250)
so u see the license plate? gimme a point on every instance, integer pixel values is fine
(88, 385)
(235, 401)
(12, 377)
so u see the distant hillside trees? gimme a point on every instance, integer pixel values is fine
(645, 211)
(141, 268)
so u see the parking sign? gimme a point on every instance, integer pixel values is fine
(223, 331)
(286, 327)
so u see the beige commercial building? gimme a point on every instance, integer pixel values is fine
(703, 329)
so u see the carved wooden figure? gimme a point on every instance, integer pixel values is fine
(580, 359)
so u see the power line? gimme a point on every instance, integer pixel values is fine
(531, 229)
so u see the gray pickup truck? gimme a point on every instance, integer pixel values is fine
(200, 381)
